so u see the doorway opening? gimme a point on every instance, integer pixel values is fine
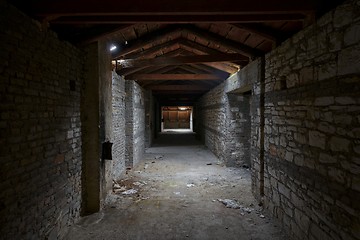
(176, 119)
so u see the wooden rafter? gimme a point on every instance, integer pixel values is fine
(178, 88)
(172, 77)
(220, 40)
(132, 19)
(129, 63)
(151, 38)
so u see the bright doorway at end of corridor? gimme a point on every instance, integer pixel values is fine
(177, 118)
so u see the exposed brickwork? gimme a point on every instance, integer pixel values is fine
(118, 103)
(135, 123)
(312, 104)
(40, 146)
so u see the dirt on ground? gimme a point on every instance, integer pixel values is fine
(180, 191)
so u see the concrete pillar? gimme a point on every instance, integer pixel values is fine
(96, 117)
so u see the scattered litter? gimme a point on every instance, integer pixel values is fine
(230, 203)
(116, 186)
(138, 171)
(129, 192)
(120, 189)
(140, 184)
(159, 157)
(262, 216)
(177, 193)
(141, 199)
(246, 209)
(190, 185)
(213, 200)
(153, 162)
(146, 166)
(233, 204)
(209, 164)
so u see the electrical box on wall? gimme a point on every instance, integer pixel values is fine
(107, 150)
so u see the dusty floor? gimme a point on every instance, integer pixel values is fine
(178, 187)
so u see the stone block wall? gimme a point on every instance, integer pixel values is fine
(223, 117)
(135, 123)
(40, 130)
(149, 119)
(118, 103)
(312, 128)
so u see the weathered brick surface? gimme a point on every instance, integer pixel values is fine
(118, 103)
(311, 136)
(40, 128)
(135, 123)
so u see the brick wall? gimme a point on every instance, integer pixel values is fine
(40, 143)
(312, 128)
(118, 103)
(135, 123)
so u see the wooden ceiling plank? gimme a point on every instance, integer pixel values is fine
(106, 34)
(172, 77)
(227, 43)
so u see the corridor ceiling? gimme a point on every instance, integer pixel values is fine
(179, 49)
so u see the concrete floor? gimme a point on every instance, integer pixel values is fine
(178, 186)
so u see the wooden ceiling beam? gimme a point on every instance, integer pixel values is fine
(152, 50)
(193, 88)
(148, 69)
(168, 32)
(172, 77)
(158, 7)
(201, 18)
(222, 67)
(129, 63)
(269, 34)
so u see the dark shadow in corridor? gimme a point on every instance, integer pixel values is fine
(176, 138)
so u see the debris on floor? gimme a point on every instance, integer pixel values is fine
(209, 164)
(233, 204)
(229, 203)
(129, 192)
(139, 184)
(190, 185)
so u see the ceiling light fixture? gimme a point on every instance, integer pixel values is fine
(113, 47)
